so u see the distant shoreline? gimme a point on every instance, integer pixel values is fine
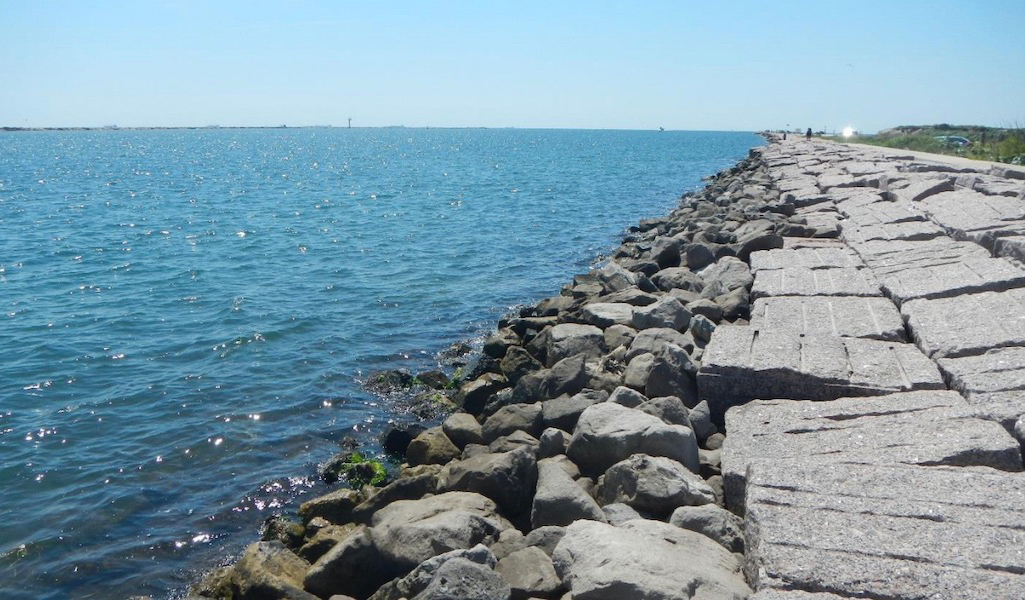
(6, 129)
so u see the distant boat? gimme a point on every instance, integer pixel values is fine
(661, 128)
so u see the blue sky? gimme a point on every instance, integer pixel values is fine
(638, 65)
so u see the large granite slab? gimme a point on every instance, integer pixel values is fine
(821, 257)
(893, 532)
(912, 230)
(888, 256)
(953, 278)
(969, 211)
(968, 324)
(1006, 408)
(927, 428)
(998, 370)
(802, 281)
(849, 316)
(743, 363)
(881, 213)
(923, 188)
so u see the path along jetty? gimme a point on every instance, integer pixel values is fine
(806, 383)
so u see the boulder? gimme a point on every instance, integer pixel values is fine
(607, 314)
(619, 335)
(627, 397)
(666, 252)
(508, 478)
(474, 395)
(714, 522)
(508, 542)
(653, 340)
(559, 500)
(668, 408)
(653, 485)
(404, 488)
(677, 278)
(353, 567)
(668, 312)
(731, 272)
(672, 374)
(396, 436)
(569, 339)
(701, 328)
(735, 305)
(462, 429)
(431, 447)
(517, 363)
(512, 418)
(433, 379)
(530, 574)
(638, 371)
(497, 343)
(645, 559)
(325, 539)
(706, 308)
(699, 256)
(460, 578)
(336, 506)
(701, 421)
(618, 513)
(513, 441)
(545, 538)
(613, 278)
(563, 412)
(553, 442)
(419, 578)
(269, 570)
(408, 532)
(608, 433)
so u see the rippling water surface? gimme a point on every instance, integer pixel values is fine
(185, 314)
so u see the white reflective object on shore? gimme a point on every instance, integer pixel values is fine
(848, 131)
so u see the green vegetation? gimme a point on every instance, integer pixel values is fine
(360, 471)
(1005, 145)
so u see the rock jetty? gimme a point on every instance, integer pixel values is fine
(854, 322)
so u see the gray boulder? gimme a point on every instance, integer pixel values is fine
(459, 579)
(353, 567)
(608, 433)
(517, 363)
(530, 574)
(462, 429)
(627, 397)
(618, 513)
(668, 408)
(513, 441)
(323, 540)
(645, 559)
(619, 335)
(419, 578)
(269, 570)
(668, 312)
(731, 272)
(508, 478)
(672, 374)
(701, 328)
(546, 538)
(497, 343)
(568, 376)
(569, 339)
(706, 308)
(699, 256)
(666, 252)
(336, 506)
(701, 421)
(512, 418)
(563, 412)
(553, 442)
(403, 488)
(474, 395)
(714, 522)
(431, 447)
(654, 485)
(559, 500)
(408, 532)
(607, 314)
(638, 371)
(678, 278)
(614, 278)
(652, 341)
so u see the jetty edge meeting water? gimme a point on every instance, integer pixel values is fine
(591, 460)
(187, 314)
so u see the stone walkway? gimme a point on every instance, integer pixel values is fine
(859, 473)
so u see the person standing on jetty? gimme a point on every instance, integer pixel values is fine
(807, 135)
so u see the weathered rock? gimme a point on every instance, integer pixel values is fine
(638, 371)
(517, 363)
(865, 317)
(462, 429)
(324, 540)
(497, 344)
(268, 570)
(618, 513)
(552, 442)
(645, 559)
(511, 418)
(967, 325)
(699, 256)
(607, 314)
(336, 506)
(545, 538)
(666, 252)
(678, 277)
(713, 522)
(832, 256)
(614, 278)
(474, 395)
(353, 567)
(732, 273)
(419, 578)
(706, 308)
(627, 397)
(608, 433)
(508, 542)
(735, 305)
(569, 339)
(668, 312)
(668, 408)
(619, 335)
(701, 421)
(390, 380)
(431, 447)
(433, 379)
(404, 488)
(654, 485)
(514, 441)
(508, 478)
(563, 412)
(460, 578)
(559, 500)
(408, 532)
(396, 437)
(672, 374)
(801, 281)
(653, 340)
(530, 574)
(701, 328)
(568, 376)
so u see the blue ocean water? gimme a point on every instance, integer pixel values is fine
(185, 314)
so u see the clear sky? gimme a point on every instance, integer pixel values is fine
(577, 64)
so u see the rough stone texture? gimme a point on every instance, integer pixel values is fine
(569, 339)
(353, 567)
(608, 433)
(882, 213)
(606, 314)
(563, 412)
(460, 578)
(732, 273)
(530, 574)
(801, 281)
(645, 559)
(998, 370)
(713, 522)
(920, 190)
(335, 506)
(744, 363)
(885, 257)
(409, 532)
(966, 211)
(849, 316)
(920, 428)
(678, 277)
(952, 279)
(512, 418)
(508, 478)
(667, 312)
(912, 231)
(419, 578)
(654, 485)
(619, 335)
(268, 569)
(886, 531)
(618, 513)
(559, 500)
(824, 257)
(462, 429)
(431, 447)
(968, 324)
(653, 340)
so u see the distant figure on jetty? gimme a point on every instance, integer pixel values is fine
(784, 136)
(807, 135)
